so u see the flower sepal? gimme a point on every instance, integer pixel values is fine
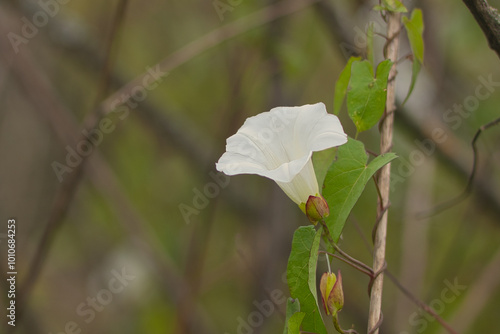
(332, 293)
(316, 209)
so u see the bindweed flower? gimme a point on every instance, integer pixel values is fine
(332, 294)
(278, 144)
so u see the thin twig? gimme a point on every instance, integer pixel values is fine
(470, 181)
(381, 208)
(483, 191)
(350, 258)
(368, 272)
(346, 257)
(380, 215)
(370, 152)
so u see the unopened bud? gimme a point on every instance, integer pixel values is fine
(316, 209)
(332, 293)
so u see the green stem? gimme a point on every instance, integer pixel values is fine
(338, 328)
(327, 233)
(355, 266)
(346, 257)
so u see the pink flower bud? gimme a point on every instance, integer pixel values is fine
(316, 209)
(332, 293)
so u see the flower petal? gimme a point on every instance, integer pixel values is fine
(303, 185)
(232, 163)
(323, 130)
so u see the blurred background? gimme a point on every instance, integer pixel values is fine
(144, 236)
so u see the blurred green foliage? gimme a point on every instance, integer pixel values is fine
(205, 275)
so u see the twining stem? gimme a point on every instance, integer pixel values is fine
(339, 329)
(362, 269)
(344, 256)
(386, 127)
(351, 259)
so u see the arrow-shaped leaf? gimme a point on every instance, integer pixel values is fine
(345, 181)
(301, 276)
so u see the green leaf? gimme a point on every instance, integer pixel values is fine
(294, 323)
(342, 84)
(367, 94)
(301, 276)
(313, 261)
(415, 29)
(391, 6)
(292, 308)
(345, 181)
(414, 75)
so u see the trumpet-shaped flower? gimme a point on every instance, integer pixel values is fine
(278, 144)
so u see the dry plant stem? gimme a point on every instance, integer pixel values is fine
(393, 28)
(488, 19)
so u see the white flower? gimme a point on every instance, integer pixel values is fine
(278, 144)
